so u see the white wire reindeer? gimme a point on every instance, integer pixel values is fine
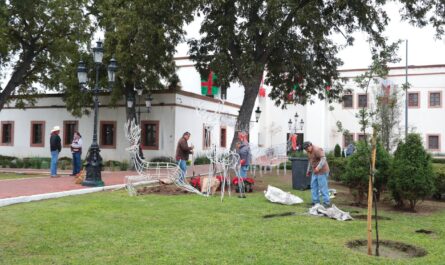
(150, 172)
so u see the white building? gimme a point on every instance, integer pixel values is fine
(25, 133)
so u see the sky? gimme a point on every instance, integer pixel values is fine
(423, 48)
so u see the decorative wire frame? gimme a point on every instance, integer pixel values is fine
(150, 172)
(221, 160)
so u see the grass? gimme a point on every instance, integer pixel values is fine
(18, 176)
(113, 228)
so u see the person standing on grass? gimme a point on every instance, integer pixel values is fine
(245, 157)
(319, 167)
(55, 148)
(183, 150)
(76, 150)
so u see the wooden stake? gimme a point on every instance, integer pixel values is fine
(370, 190)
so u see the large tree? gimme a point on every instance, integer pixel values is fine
(39, 40)
(143, 35)
(292, 40)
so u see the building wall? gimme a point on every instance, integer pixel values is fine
(175, 113)
(423, 120)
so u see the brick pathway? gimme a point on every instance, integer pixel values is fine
(39, 185)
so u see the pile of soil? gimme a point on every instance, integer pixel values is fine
(163, 190)
(389, 249)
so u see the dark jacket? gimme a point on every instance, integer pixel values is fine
(55, 142)
(183, 150)
(244, 153)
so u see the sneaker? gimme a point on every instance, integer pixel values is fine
(327, 205)
(55, 176)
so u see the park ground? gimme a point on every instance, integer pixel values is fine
(114, 228)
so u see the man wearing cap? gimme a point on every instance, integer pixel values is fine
(320, 171)
(55, 147)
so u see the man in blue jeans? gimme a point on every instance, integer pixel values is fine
(320, 172)
(182, 154)
(55, 148)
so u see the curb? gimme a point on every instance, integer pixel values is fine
(53, 195)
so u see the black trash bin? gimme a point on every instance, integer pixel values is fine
(299, 169)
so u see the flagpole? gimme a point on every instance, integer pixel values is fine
(406, 90)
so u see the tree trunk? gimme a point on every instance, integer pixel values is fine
(251, 88)
(17, 77)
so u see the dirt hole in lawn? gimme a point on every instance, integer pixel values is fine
(278, 215)
(365, 217)
(388, 249)
(424, 231)
(162, 189)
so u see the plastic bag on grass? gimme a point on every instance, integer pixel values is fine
(278, 196)
(331, 212)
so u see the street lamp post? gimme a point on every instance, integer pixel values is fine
(94, 160)
(131, 101)
(257, 113)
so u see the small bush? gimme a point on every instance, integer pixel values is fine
(7, 158)
(412, 172)
(297, 154)
(439, 180)
(438, 160)
(356, 175)
(66, 159)
(337, 151)
(124, 165)
(167, 159)
(202, 160)
(337, 166)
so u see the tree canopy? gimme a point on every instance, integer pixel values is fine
(39, 40)
(426, 12)
(292, 40)
(143, 36)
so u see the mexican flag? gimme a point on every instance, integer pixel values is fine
(209, 85)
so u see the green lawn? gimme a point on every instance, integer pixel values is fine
(18, 176)
(113, 228)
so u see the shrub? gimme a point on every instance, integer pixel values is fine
(439, 180)
(337, 151)
(297, 154)
(438, 160)
(124, 165)
(202, 160)
(112, 163)
(163, 159)
(337, 166)
(356, 175)
(412, 173)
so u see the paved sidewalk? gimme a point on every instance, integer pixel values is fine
(40, 185)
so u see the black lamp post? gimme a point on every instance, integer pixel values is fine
(257, 114)
(130, 103)
(295, 123)
(94, 160)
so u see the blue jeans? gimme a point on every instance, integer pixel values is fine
(243, 171)
(319, 182)
(77, 162)
(54, 157)
(183, 166)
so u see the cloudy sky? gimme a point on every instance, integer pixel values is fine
(423, 48)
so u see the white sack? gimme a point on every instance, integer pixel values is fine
(332, 212)
(276, 195)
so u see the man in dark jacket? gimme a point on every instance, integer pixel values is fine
(182, 153)
(55, 148)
